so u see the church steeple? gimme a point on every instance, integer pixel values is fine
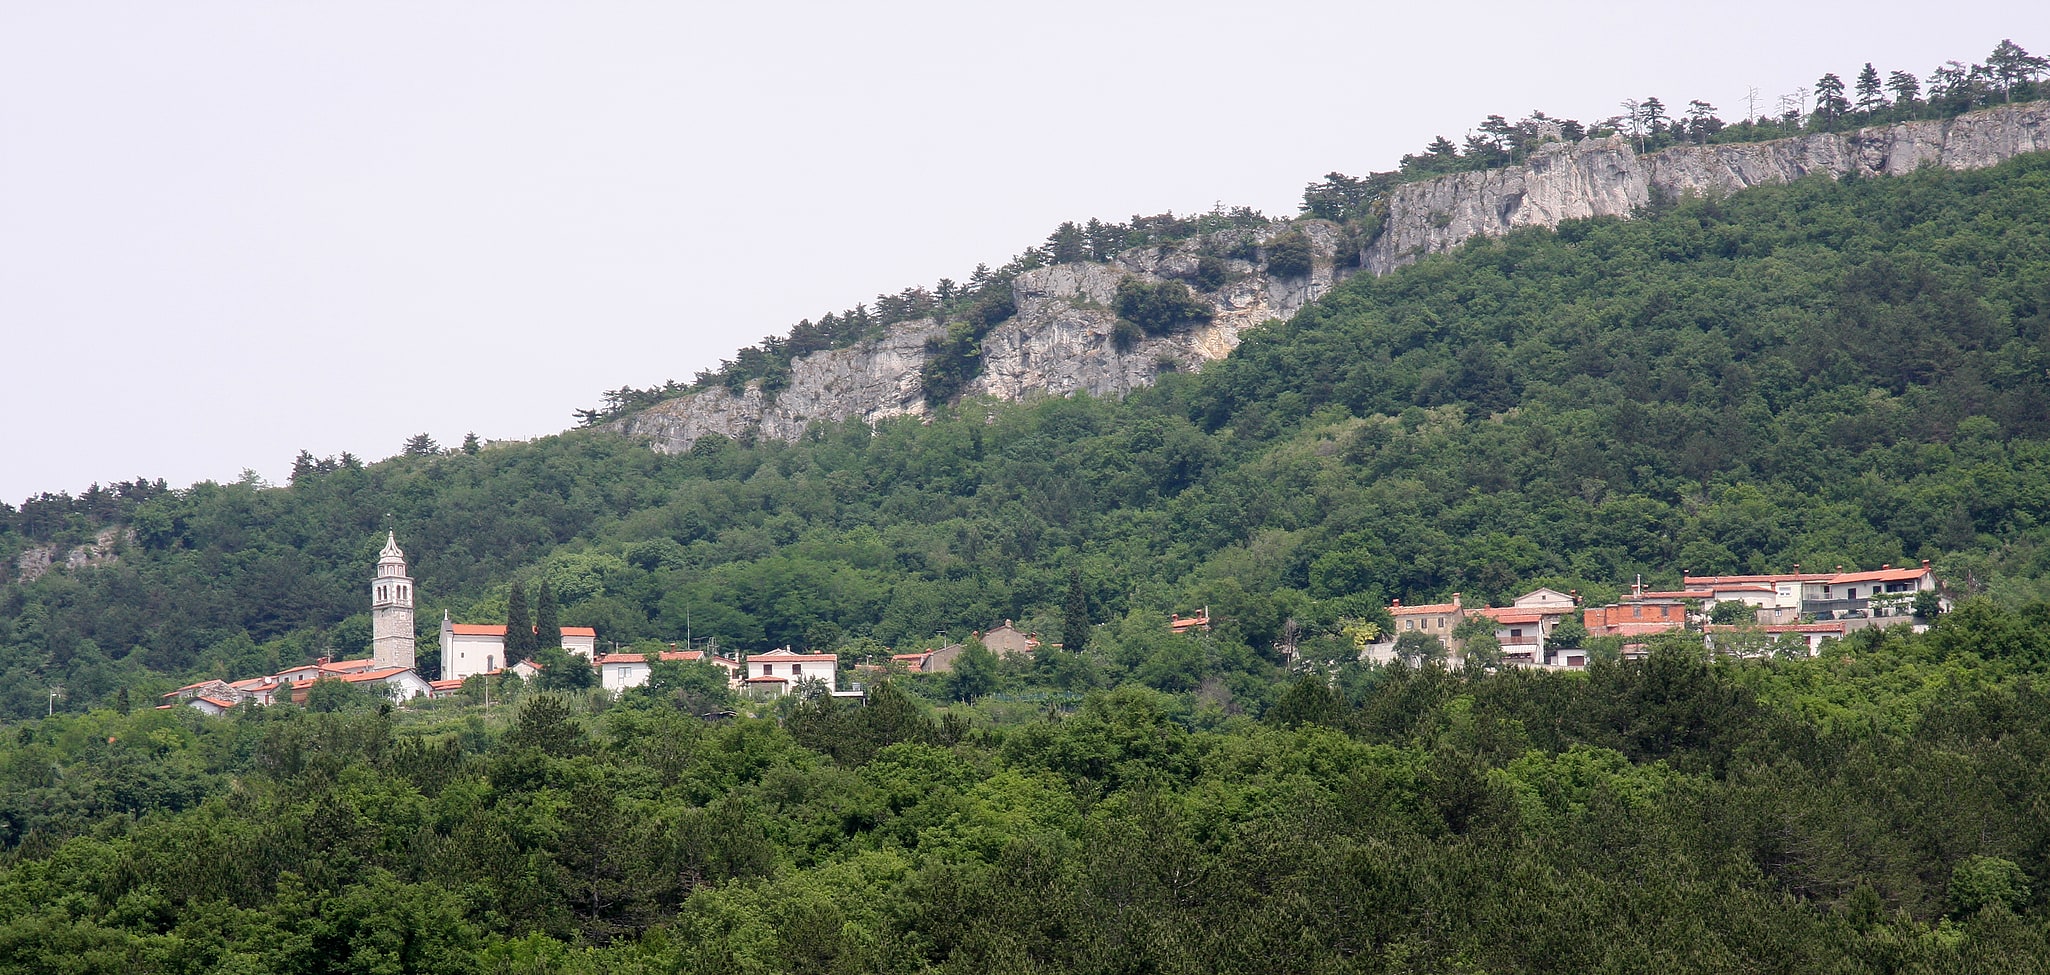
(391, 608)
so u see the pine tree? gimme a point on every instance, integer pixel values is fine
(519, 630)
(1868, 85)
(547, 630)
(1905, 87)
(1075, 620)
(470, 444)
(2011, 65)
(1830, 103)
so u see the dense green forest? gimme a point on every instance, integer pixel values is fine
(1876, 810)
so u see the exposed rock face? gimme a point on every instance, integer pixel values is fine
(1061, 339)
(37, 560)
(1059, 342)
(1606, 178)
(874, 380)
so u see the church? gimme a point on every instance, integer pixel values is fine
(466, 649)
(391, 609)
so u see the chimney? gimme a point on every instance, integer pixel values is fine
(1925, 564)
(1455, 600)
(1396, 604)
(1885, 565)
(1840, 567)
(1797, 568)
(1575, 594)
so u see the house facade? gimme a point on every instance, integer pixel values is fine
(782, 671)
(620, 671)
(929, 661)
(1436, 619)
(1008, 641)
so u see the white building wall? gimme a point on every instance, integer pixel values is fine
(464, 655)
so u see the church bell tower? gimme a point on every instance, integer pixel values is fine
(391, 608)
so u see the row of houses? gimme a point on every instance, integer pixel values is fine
(1792, 607)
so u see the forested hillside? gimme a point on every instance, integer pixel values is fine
(1824, 373)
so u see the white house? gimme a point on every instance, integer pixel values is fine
(780, 671)
(397, 683)
(619, 671)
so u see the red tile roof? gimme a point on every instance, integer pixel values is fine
(1880, 575)
(1512, 614)
(778, 657)
(1419, 610)
(488, 629)
(1768, 579)
(637, 658)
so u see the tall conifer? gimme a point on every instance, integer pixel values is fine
(547, 629)
(1075, 619)
(519, 631)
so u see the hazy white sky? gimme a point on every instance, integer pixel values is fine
(230, 231)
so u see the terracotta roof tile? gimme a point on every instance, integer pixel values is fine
(1879, 575)
(1421, 610)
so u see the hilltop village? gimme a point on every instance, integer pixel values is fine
(1794, 612)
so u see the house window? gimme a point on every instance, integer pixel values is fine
(768, 669)
(1851, 593)
(1409, 624)
(1515, 633)
(796, 669)
(1637, 611)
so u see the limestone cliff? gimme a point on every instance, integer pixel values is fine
(1605, 178)
(1060, 341)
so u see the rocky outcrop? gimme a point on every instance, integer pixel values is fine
(37, 560)
(1061, 340)
(1606, 178)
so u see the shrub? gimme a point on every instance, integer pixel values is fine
(1159, 308)
(1289, 255)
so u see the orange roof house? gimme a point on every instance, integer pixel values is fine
(1436, 619)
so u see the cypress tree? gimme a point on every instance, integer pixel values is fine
(547, 629)
(1075, 619)
(519, 632)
